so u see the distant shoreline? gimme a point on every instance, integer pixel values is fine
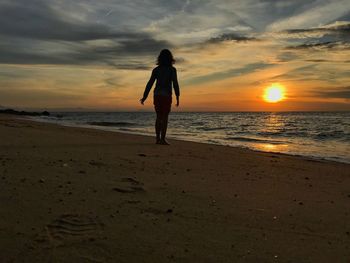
(54, 111)
(24, 113)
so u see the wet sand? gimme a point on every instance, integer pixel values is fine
(83, 195)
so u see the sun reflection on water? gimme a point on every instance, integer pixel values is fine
(271, 147)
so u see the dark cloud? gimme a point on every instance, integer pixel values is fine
(335, 32)
(37, 34)
(11, 95)
(231, 37)
(250, 68)
(117, 56)
(37, 20)
(327, 61)
(303, 73)
(334, 45)
(339, 93)
(287, 56)
(335, 36)
(331, 29)
(318, 60)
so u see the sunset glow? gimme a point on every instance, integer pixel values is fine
(98, 56)
(274, 93)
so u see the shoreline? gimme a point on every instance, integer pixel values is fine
(82, 195)
(110, 129)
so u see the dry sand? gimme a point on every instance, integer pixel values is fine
(82, 195)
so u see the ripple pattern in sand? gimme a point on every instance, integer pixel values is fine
(70, 238)
(73, 226)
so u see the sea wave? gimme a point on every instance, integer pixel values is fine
(325, 135)
(247, 139)
(212, 128)
(284, 133)
(111, 124)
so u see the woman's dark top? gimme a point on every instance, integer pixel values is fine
(165, 76)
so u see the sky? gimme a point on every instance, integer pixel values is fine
(98, 55)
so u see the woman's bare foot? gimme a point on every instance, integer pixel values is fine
(164, 142)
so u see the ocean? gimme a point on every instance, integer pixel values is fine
(319, 135)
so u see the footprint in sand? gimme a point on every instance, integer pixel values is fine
(69, 228)
(70, 238)
(129, 185)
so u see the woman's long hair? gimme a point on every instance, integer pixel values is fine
(165, 58)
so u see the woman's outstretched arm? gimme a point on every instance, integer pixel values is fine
(148, 86)
(176, 87)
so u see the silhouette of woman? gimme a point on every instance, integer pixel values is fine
(166, 77)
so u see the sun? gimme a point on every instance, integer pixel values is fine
(274, 93)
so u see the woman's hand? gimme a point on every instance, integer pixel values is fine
(142, 100)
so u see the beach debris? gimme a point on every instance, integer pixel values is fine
(131, 180)
(142, 154)
(131, 189)
(129, 185)
(188, 169)
(41, 180)
(133, 201)
(169, 211)
(301, 203)
(95, 163)
(307, 178)
(82, 172)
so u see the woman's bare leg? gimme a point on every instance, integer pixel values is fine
(164, 126)
(158, 127)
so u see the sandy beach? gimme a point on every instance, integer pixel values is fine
(83, 195)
